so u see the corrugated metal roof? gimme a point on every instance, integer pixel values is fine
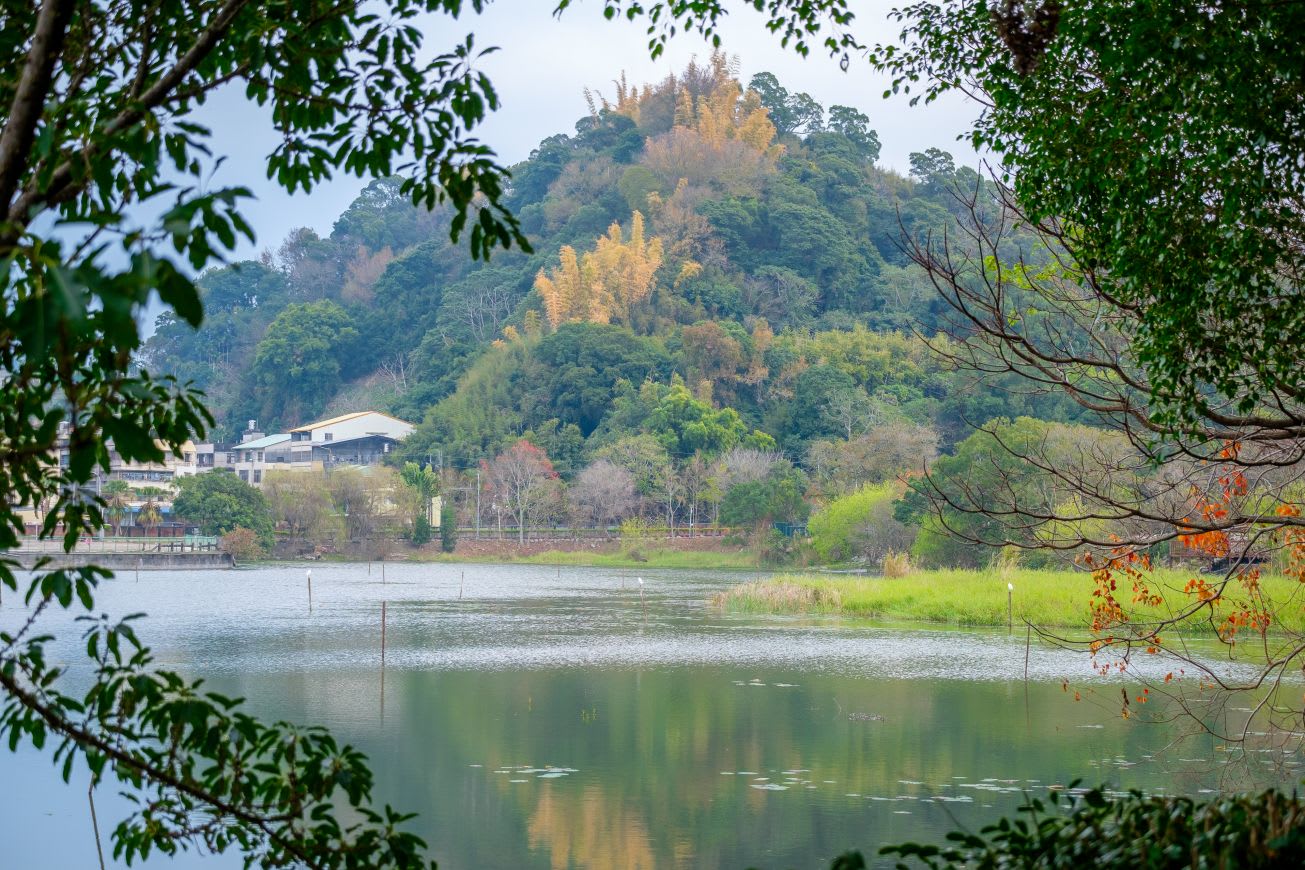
(264, 442)
(343, 418)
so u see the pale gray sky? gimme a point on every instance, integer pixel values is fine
(541, 70)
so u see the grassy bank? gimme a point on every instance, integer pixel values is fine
(1045, 598)
(652, 557)
(646, 558)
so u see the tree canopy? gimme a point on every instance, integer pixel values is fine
(1167, 139)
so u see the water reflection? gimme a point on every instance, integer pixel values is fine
(544, 721)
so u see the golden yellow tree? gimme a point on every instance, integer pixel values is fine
(607, 282)
(710, 101)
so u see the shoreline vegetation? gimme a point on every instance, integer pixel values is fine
(1046, 598)
(736, 559)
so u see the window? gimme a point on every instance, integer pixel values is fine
(244, 475)
(258, 476)
(260, 456)
(328, 437)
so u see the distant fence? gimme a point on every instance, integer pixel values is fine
(115, 544)
(493, 532)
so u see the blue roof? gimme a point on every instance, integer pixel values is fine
(264, 442)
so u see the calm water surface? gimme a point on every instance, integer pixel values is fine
(546, 719)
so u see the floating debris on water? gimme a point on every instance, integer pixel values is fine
(769, 786)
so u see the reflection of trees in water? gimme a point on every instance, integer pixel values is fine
(589, 829)
(649, 787)
(650, 748)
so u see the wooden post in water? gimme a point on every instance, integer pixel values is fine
(383, 662)
(382, 570)
(642, 603)
(1010, 607)
(309, 573)
(461, 583)
(1028, 641)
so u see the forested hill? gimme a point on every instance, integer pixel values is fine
(713, 265)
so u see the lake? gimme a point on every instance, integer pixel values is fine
(541, 718)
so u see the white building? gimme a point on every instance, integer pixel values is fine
(362, 438)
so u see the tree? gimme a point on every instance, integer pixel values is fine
(607, 282)
(579, 366)
(602, 494)
(861, 525)
(448, 527)
(118, 501)
(217, 501)
(685, 425)
(792, 114)
(1217, 485)
(420, 531)
(360, 498)
(698, 479)
(775, 498)
(243, 544)
(1187, 217)
(643, 456)
(298, 363)
(149, 515)
(523, 482)
(934, 168)
(856, 127)
(424, 482)
(302, 503)
(883, 453)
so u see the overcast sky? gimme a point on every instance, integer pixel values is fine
(541, 70)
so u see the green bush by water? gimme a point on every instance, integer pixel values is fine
(1135, 831)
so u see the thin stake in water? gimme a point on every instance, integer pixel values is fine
(309, 574)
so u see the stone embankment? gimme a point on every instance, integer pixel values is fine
(184, 561)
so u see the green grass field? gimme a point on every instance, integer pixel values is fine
(1045, 598)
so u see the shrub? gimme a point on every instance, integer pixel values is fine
(421, 534)
(448, 528)
(858, 524)
(634, 530)
(1152, 832)
(242, 544)
(897, 564)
